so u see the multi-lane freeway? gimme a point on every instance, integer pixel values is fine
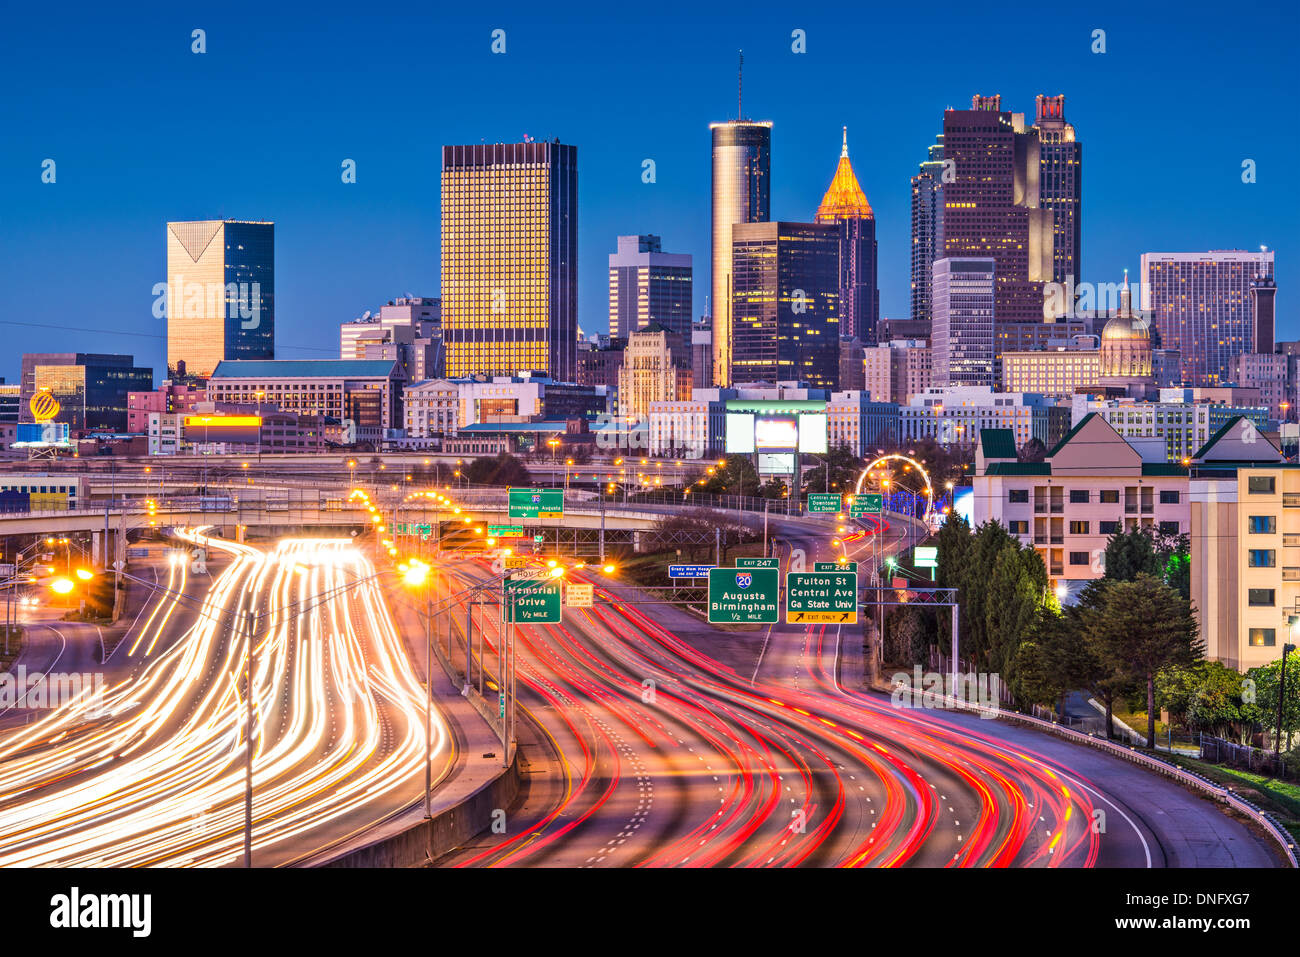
(152, 770)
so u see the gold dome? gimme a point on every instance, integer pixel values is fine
(1129, 328)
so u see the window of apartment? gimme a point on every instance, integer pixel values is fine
(1263, 637)
(1018, 496)
(1169, 498)
(1259, 484)
(1263, 524)
(1260, 596)
(1078, 496)
(1018, 527)
(1078, 528)
(1263, 558)
(1108, 496)
(1169, 528)
(1079, 558)
(1108, 528)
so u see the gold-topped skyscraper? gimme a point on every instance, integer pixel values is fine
(742, 186)
(509, 259)
(845, 205)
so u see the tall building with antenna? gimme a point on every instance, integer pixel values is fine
(845, 206)
(742, 183)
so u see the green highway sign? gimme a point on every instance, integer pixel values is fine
(757, 563)
(872, 503)
(533, 602)
(739, 596)
(824, 502)
(821, 597)
(925, 556)
(536, 502)
(505, 531)
(835, 567)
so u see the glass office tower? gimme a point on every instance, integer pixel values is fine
(742, 184)
(220, 293)
(510, 259)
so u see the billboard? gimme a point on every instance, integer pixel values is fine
(776, 434)
(740, 434)
(231, 429)
(41, 435)
(797, 425)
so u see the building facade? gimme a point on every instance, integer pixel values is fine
(845, 206)
(1060, 188)
(927, 229)
(220, 293)
(1202, 306)
(91, 388)
(431, 410)
(785, 303)
(655, 369)
(648, 285)
(964, 303)
(742, 183)
(510, 259)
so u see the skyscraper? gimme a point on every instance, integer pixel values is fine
(785, 303)
(962, 333)
(510, 259)
(1263, 296)
(220, 293)
(845, 206)
(927, 229)
(648, 285)
(91, 388)
(1061, 186)
(742, 165)
(1203, 306)
(991, 207)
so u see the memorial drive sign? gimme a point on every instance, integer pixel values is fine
(534, 602)
(739, 596)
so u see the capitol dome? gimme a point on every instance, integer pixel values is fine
(1126, 345)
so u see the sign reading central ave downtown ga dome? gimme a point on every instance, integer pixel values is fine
(741, 596)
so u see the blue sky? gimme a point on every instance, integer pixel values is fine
(143, 131)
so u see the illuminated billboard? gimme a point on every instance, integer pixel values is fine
(776, 425)
(776, 434)
(230, 429)
(740, 434)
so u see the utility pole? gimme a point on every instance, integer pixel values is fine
(428, 709)
(766, 503)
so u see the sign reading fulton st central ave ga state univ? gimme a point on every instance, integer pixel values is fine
(739, 596)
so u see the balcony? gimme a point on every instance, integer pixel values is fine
(1291, 539)
(1058, 540)
(1291, 499)
(1040, 539)
(1130, 505)
(1291, 574)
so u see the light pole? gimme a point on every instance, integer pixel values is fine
(259, 395)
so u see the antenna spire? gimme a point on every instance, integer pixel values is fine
(740, 88)
(845, 151)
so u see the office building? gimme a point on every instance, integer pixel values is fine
(648, 285)
(522, 399)
(1093, 484)
(845, 206)
(170, 397)
(852, 376)
(992, 206)
(1268, 373)
(510, 259)
(91, 388)
(956, 415)
(1202, 304)
(220, 293)
(654, 369)
(1065, 367)
(785, 303)
(927, 231)
(897, 370)
(1060, 188)
(964, 304)
(431, 410)
(856, 421)
(702, 354)
(742, 182)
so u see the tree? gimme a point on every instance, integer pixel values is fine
(1160, 554)
(502, 469)
(737, 476)
(1206, 697)
(1266, 678)
(1140, 627)
(836, 471)
(1013, 604)
(774, 488)
(1032, 451)
(955, 543)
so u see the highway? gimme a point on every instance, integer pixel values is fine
(656, 740)
(151, 772)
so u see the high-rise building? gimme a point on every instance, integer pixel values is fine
(655, 369)
(853, 371)
(648, 285)
(702, 354)
(785, 303)
(91, 389)
(1203, 306)
(1060, 188)
(1263, 293)
(961, 340)
(742, 183)
(992, 206)
(845, 206)
(220, 293)
(927, 229)
(510, 259)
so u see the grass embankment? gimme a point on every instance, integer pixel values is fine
(1282, 798)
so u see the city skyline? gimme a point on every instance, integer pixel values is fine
(99, 221)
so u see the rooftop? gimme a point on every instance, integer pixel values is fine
(304, 368)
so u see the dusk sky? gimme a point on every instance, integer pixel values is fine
(144, 131)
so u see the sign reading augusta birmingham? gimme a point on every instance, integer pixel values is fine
(740, 596)
(536, 502)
